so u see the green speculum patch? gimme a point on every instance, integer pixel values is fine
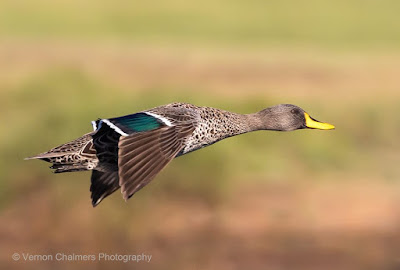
(137, 122)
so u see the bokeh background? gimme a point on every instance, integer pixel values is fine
(267, 200)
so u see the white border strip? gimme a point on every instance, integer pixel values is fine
(114, 127)
(163, 119)
(94, 125)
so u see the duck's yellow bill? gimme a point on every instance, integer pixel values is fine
(311, 123)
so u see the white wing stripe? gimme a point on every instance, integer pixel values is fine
(94, 125)
(163, 119)
(114, 127)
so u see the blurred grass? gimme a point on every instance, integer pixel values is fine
(339, 23)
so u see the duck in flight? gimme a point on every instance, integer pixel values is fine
(128, 152)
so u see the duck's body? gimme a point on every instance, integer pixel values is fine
(209, 124)
(129, 151)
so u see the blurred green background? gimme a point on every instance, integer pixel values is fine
(267, 200)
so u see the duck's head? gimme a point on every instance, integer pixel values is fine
(287, 117)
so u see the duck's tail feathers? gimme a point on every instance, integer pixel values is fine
(77, 155)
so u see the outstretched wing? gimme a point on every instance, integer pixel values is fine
(143, 155)
(147, 142)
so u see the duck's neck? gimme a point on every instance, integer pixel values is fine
(220, 125)
(244, 123)
(261, 121)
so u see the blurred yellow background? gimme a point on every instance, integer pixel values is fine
(267, 200)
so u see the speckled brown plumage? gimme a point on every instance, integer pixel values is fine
(211, 124)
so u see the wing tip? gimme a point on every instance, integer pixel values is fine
(125, 193)
(96, 202)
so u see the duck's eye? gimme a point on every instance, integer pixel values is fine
(295, 111)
